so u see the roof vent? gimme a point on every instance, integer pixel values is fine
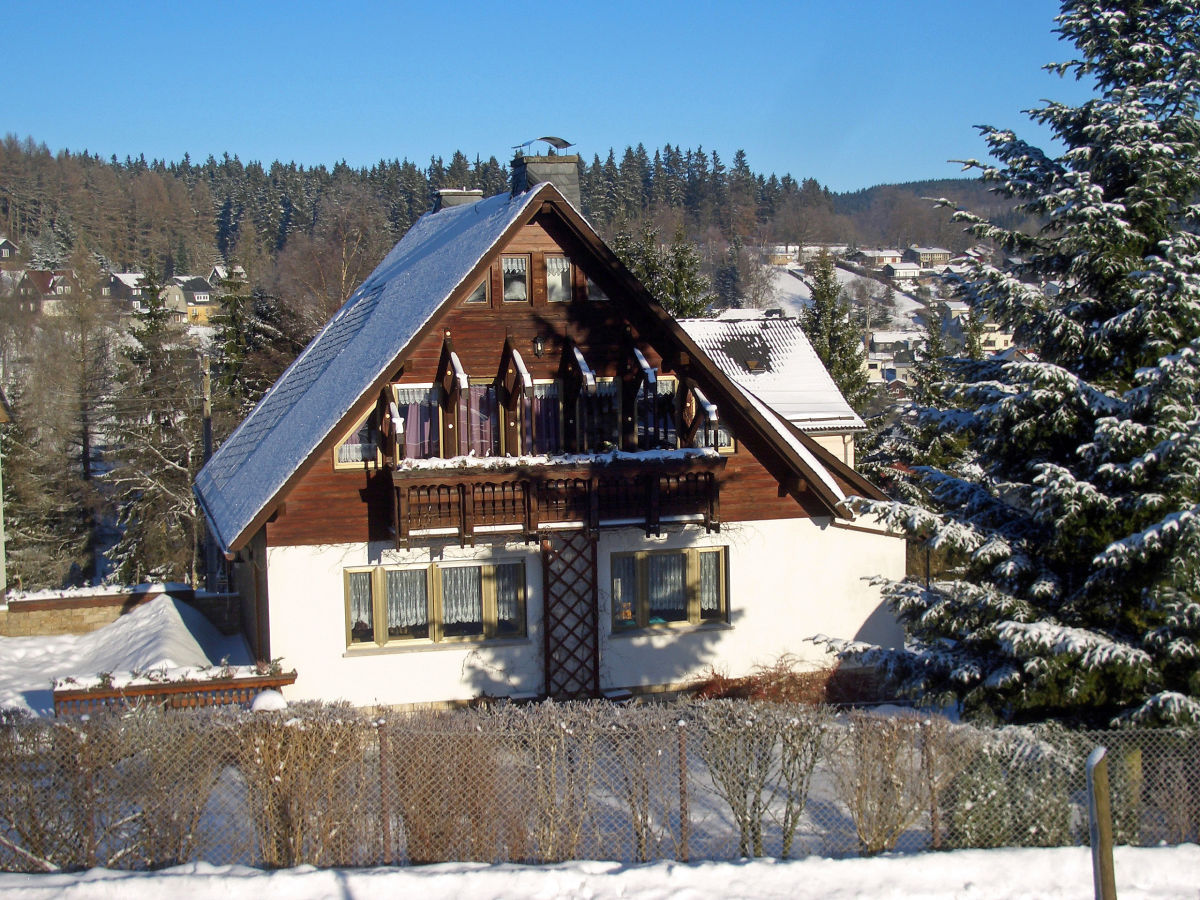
(447, 197)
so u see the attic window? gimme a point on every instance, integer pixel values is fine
(480, 294)
(558, 279)
(595, 292)
(516, 277)
(360, 446)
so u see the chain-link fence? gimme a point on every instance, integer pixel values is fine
(330, 786)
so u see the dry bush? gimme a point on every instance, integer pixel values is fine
(555, 747)
(641, 755)
(784, 681)
(946, 752)
(455, 786)
(879, 778)
(310, 785)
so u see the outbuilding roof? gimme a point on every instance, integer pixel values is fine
(770, 356)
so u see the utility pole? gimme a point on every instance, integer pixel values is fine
(210, 547)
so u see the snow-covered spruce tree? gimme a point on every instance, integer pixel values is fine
(1074, 513)
(831, 331)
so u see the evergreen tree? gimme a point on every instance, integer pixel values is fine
(827, 323)
(672, 275)
(157, 419)
(1073, 514)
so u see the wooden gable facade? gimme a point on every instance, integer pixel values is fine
(597, 353)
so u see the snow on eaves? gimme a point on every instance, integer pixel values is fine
(350, 353)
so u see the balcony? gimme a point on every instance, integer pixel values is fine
(463, 499)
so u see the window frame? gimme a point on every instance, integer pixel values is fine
(695, 615)
(486, 284)
(570, 276)
(434, 391)
(489, 604)
(528, 258)
(339, 465)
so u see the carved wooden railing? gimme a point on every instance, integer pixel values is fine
(461, 503)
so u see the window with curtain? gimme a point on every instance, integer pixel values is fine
(558, 279)
(360, 445)
(420, 409)
(437, 602)
(660, 588)
(600, 417)
(543, 426)
(656, 414)
(483, 420)
(516, 277)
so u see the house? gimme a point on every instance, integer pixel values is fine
(927, 257)
(902, 271)
(194, 297)
(875, 258)
(8, 251)
(501, 469)
(125, 288)
(221, 274)
(768, 356)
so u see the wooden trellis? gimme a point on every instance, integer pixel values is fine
(572, 648)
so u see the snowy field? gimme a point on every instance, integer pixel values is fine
(1160, 872)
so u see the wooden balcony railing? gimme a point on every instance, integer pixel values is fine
(461, 503)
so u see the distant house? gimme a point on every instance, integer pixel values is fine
(876, 258)
(891, 355)
(190, 298)
(125, 288)
(502, 469)
(782, 254)
(902, 271)
(927, 257)
(225, 273)
(8, 251)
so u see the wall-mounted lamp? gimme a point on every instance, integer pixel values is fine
(539, 346)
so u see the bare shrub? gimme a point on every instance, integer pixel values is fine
(801, 743)
(454, 783)
(738, 745)
(307, 773)
(879, 778)
(946, 750)
(787, 681)
(555, 748)
(641, 769)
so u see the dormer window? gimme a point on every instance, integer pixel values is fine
(558, 279)
(516, 277)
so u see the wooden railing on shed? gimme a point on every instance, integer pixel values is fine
(171, 695)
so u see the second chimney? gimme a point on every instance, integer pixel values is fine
(561, 171)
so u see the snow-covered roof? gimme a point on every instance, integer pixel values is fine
(131, 280)
(352, 352)
(770, 357)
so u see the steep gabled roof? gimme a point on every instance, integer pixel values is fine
(771, 358)
(355, 349)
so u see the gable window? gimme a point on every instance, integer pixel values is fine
(543, 426)
(480, 294)
(656, 420)
(595, 292)
(516, 277)
(420, 412)
(558, 279)
(600, 417)
(664, 587)
(483, 420)
(360, 446)
(439, 602)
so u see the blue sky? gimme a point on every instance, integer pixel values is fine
(851, 94)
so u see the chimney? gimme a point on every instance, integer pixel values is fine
(447, 197)
(560, 170)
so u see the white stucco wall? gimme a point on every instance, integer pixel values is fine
(788, 580)
(308, 629)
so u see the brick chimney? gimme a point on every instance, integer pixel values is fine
(561, 170)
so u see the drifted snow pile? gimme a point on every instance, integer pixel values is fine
(165, 637)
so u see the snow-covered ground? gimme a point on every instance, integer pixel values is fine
(792, 295)
(1159, 872)
(163, 634)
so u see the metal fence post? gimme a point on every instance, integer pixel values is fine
(685, 826)
(385, 798)
(1100, 825)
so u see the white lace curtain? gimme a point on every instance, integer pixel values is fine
(407, 600)
(667, 583)
(361, 611)
(462, 595)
